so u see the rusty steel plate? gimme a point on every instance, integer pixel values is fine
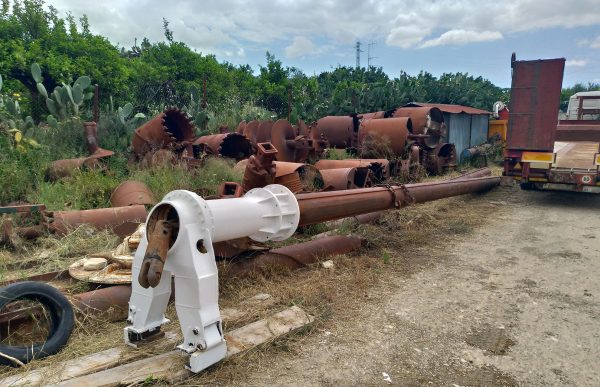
(534, 102)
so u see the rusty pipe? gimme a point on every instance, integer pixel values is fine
(295, 256)
(110, 303)
(122, 220)
(319, 207)
(481, 172)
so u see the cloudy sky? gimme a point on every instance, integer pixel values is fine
(474, 36)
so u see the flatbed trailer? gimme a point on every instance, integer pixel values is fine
(542, 153)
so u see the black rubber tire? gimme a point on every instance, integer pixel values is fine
(62, 319)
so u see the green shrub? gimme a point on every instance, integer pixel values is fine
(85, 189)
(20, 172)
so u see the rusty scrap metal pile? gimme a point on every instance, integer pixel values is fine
(386, 144)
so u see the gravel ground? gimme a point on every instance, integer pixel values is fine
(515, 302)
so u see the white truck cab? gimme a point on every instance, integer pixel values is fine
(590, 105)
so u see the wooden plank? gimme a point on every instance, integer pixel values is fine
(114, 356)
(170, 366)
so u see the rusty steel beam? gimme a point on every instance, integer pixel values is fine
(572, 130)
(131, 192)
(294, 256)
(123, 221)
(319, 207)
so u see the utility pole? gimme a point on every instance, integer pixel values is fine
(358, 51)
(369, 57)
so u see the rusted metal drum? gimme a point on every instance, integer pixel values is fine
(380, 167)
(339, 131)
(131, 192)
(425, 121)
(384, 137)
(338, 179)
(232, 145)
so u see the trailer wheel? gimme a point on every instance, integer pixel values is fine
(61, 320)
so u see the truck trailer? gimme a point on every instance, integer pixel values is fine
(542, 152)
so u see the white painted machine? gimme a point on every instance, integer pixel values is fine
(178, 246)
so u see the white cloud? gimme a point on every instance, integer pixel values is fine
(221, 26)
(576, 63)
(301, 46)
(458, 37)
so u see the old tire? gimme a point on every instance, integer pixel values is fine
(61, 320)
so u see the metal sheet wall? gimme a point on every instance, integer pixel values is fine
(479, 129)
(459, 131)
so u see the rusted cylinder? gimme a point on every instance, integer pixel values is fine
(110, 303)
(425, 121)
(295, 256)
(337, 130)
(338, 179)
(319, 207)
(122, 221)
(233, 145)
(368, 116)
(382, 136)
(131, 192)
(165, 130)
(380, 167)
(63, 168)
(90, 131)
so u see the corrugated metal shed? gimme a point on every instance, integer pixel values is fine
(467, 126)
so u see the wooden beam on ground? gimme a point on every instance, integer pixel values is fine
(115, 356)
(170, 366)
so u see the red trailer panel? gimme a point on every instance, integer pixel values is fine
(534, 104)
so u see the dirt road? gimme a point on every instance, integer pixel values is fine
(515, 302)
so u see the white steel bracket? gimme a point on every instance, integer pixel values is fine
(269, 213)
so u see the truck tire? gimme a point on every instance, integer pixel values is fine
(61, 313)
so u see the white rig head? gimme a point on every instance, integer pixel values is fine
(184, 227)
